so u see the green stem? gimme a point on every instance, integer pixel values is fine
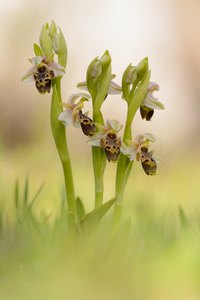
(124, 166)
(58, 131)
(99, 163)
(98, 176)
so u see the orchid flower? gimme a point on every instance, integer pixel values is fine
(106, 138)
(42, 72)
(138, 149)
(71, 114)
(150, 102)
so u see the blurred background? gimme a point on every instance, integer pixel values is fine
(165, 31)
(168, 32)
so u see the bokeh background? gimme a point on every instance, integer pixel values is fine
(168, 32)
(165, 31)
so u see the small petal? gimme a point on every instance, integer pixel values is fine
(150, 137)
(152, 102)
(29, 75)
(130, 151)
(82, 85)
(36, 60)
(57, 69)
(114, 88)
(73, 97)
(153, 86)
(65, 117)
(114, 124)
(95, 140)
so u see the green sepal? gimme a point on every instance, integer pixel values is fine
(136, 98)
(90, 79)
(103, 86)
(37, 50)
(142, 68)
(128, 78)
(52, 29)
(45, 40)
(105, 60)
(60, 47)
(80, 209)
(92, 218)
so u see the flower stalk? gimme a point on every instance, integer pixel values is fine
(58, 131)
(134, 87)
(98, 83)
(47, 75)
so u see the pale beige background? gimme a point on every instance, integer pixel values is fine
(168, 32)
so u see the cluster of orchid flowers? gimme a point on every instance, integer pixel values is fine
(45, 69)
(104, 137)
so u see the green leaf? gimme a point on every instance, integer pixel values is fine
(36, 195)
(93, 217)
(80, 209)
(38, 51)
(182, 217)
(17, 194)
(26, 190)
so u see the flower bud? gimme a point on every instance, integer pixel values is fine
(96, 70)
(142, 68)
(130, 75)
(105, 60)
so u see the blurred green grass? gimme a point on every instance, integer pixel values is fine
(154, 255)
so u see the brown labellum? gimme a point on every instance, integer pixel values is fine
(111, 145)
(87, 124)
(148, 163)
(146, 113)
(43, 78)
